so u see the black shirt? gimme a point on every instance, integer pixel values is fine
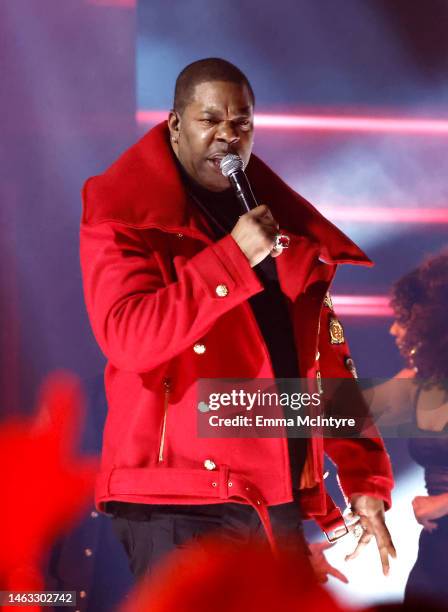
(270, 308)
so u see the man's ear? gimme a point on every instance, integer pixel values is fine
(174, 126)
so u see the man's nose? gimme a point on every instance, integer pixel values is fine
(226, 132)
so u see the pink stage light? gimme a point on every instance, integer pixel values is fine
(363, 214)
(353, 124)
(327, 123)
(115, 3)
(149, 117)
(362, 305)
(381, 214)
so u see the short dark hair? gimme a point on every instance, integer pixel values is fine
(420, 303)
(203, 71)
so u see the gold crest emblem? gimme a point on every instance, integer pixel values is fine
(328, 301)
(336, 332)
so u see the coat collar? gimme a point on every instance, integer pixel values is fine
(144, 189)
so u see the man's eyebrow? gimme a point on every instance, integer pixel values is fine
(210, 111)
(242, 112)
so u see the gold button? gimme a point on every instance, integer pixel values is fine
(222, 290)
(317, 356)
(209, 464)
(88, 552)
(82, 594)
(94, 514)
(179, 235)
(199, 349)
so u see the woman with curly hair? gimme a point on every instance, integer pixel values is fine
(420, 404)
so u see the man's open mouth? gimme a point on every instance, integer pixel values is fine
(216, 161)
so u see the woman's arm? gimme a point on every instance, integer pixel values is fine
(428, 508)
(393, 402)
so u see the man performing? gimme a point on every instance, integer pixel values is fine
(181, 284)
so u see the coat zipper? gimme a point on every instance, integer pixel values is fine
(167, 386)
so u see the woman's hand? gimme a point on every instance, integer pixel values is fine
(406, 373)
(428, 508)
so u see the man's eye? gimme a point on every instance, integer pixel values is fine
(207, 121)
(245, 123)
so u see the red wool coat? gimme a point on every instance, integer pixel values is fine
(157, 286)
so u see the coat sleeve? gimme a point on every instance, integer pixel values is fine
(138, 319)
(363, 463)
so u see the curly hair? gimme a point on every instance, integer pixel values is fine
(420, 303)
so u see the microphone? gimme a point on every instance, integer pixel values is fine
(232, 168)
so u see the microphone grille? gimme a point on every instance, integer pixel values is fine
(230, 164)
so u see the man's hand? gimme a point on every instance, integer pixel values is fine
(428, 508)
(255, 234)
(320, 565)
(371, 518)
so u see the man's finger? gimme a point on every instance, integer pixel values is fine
(384, 539)
(391, 548)
(363, 541)
(262, 212)
(269, 225)
(350, 517)
(383, 536)
(276, 252)
(386, 549)
(352, 527)
(384, 544)
(267, 216)
(384, 555)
